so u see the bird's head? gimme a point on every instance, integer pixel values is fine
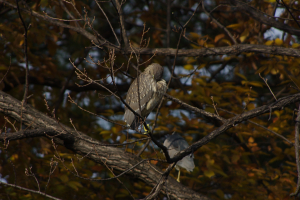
(156, 70)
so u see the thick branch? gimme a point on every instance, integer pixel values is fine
(263, 18)
(279, 104)
(78, 142)
(235, 49)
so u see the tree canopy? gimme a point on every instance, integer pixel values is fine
(232, 69)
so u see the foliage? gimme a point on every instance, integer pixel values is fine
(245, 162)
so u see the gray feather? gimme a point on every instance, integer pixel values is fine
(150, 93)
(175, 143)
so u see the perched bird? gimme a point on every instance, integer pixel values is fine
(151, 90)
(175, 143)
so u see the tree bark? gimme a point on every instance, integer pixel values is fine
(81, 143)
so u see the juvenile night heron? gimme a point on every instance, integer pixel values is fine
(151, 90)
(175, 143)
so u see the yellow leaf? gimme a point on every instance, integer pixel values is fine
(209, 173)
(105, 132)
(270, 42)
(188, 67)
(295, 45)
(277, 113)
(251, 140)
(244, 35)
(234, 26)
(256, 83)
(245, 82)
(245, 133)
(14, 157)
(191, 60)
(194, 35)
(226, 41)
(218, 37)
(261, 69)
(195, 46)
(21, 42)
(241, 75)
(278, 41)
(274, 71)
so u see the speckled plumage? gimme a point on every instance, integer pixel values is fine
(175, 143)
(152, 88)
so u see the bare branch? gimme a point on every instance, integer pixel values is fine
(261, 17)
(112, 29)
(219, 24)
(115, 157)
(28, 190)
(122, 22)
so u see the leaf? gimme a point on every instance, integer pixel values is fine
(295, 45)
(244, 35)
(226, 41)
(241, 75)
(261, 69)
(234, 26)
(209, 173)
(194, 35)
(270, 42)
(251, 140)
(105, 132)
(256, 83)
(218, 37)
(188, 67)
(278, 42)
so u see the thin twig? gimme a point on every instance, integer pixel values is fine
(219, 24)
(289, 11)
(25, 52)
(122, 21)
(214, 105)
(28, 172)
(53, 165)
(266, 82)
(113, 174)
(29, 190)
(6, 71)
(112, 29)
(157, 188)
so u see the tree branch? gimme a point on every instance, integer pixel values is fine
(28, 190)
(261, 17)
(78, 142)
(235, 49)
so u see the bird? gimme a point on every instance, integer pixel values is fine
(151, 90)
(175, 143)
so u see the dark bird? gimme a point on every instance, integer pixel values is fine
(175, 143)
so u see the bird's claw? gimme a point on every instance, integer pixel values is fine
(146, 130)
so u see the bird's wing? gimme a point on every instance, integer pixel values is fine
(147, 86)
(175, 143)
(187, 162)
